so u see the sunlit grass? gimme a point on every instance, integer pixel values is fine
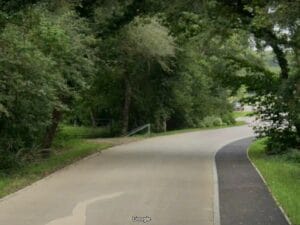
(237, 114)
(282, 174)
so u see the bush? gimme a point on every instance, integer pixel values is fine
(274, 121)
(278, 115)
(67, 133)
(293, 155)
(211, 121)
(228, 119)
(8, 160)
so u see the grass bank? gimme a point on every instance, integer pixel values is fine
(237, 114)
(282, 174)
(70, 145)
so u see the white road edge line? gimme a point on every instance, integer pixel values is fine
(263, 179)
(216, 208)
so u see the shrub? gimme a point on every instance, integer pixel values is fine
(8, 160)
(274, 121)
(228, 119)
(293, 155)
(212, 121)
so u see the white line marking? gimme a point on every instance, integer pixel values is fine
(78, 216)
(216, 193)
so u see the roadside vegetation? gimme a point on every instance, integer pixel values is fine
(237, 114)
(282, 174)
(70, 145)
(124, 63)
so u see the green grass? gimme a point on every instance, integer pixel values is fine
(69, 147)
(282, 174)
(73, 132)
(237, 114)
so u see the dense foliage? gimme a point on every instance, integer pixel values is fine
(45, 62)
(173, 64)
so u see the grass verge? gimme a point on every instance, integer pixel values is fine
(69, 147)
(237, 114)
(282, 174)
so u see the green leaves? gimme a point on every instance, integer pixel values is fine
(3, 111)
(44, 63)
(147, 38)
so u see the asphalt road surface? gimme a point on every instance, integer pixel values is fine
(165, 180)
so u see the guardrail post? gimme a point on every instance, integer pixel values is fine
(149, 129)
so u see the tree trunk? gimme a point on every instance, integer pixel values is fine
(93, 120)
(51, 130)
(165, 125)
(126, 108)
(272, 40)
(282, 61)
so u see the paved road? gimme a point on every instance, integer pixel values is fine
(163, 181)
(244, 198)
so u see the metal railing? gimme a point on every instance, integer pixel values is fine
(138, 129)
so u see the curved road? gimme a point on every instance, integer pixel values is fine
(166, 180)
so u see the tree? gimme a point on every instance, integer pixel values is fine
(65, 38)
(146, 40)
(45, 60)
